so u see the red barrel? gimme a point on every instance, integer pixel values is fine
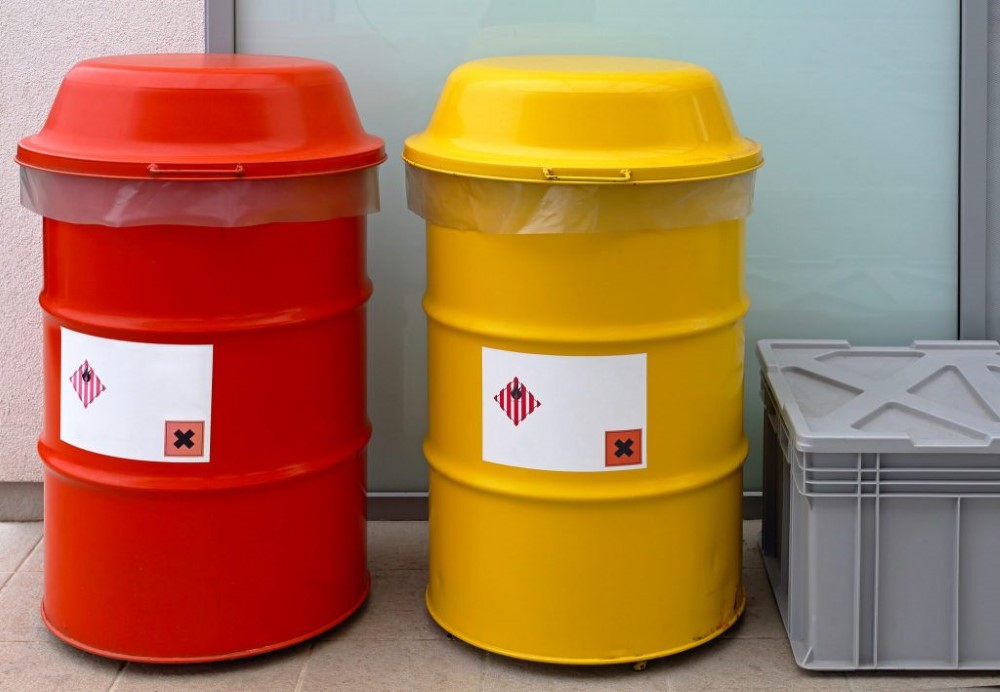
(204, 329)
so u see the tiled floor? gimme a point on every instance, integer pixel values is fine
(393, 645)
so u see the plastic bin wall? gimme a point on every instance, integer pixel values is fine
(204, 324)
(882, 501)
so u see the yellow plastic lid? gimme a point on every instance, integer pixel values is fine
(583, 119)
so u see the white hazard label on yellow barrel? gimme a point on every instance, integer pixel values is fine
(133, 400)
(564, 413)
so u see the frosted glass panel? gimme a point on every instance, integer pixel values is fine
(854, 233)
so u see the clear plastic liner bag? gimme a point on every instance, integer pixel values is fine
(504, 206)
(221, 203)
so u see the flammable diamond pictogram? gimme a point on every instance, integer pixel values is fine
(86, 384)
(516, 401)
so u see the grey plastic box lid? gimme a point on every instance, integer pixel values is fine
(934, 396)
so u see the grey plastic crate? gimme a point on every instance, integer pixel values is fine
(881, 531)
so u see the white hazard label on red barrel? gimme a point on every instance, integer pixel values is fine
(564, 413)
(134, 400)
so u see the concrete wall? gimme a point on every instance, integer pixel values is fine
(39, 42)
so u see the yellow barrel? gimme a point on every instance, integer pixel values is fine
(585, 223)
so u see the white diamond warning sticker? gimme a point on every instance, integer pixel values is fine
(86, 384)
(594, 417)
(516, 401)
(141, 401)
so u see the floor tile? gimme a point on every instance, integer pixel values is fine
(394, 610)
(397, 545)
(502, 673)
(20, 602)
(393, 644)
(277, 672)
(905, 680)
(52, 667)
(761, 619)
(744, 663)
(343, 663)
(17, 539)
(35, 562)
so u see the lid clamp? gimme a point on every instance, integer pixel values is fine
(624, 176)
(234, 171)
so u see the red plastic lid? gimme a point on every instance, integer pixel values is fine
(202, 116)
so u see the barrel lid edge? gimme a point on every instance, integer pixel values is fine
(223, 168)
(637, 175)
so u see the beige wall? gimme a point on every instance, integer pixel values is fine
(39, 42)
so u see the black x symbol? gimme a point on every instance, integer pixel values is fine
(184, 439)
(624, 447)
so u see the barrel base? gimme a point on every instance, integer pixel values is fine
(214, 657)
(737, 613)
